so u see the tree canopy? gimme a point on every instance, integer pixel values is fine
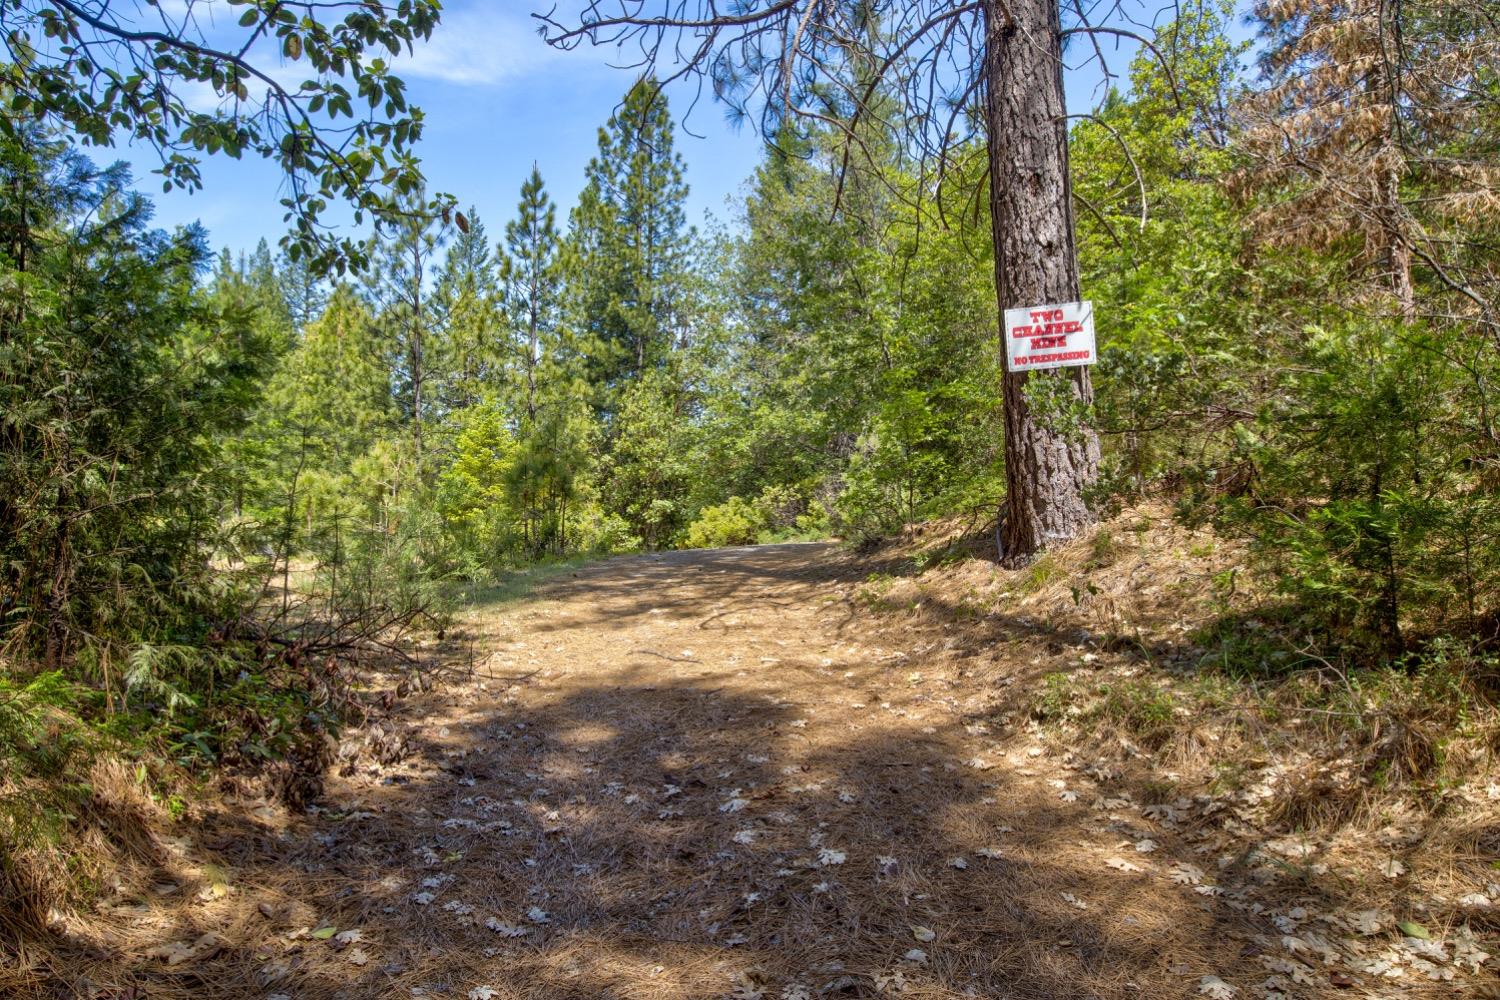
(308, 86)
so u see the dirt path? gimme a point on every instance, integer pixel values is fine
(709, 774)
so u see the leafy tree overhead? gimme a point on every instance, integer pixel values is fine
(308, 86)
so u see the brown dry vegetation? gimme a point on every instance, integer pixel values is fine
(774, 772)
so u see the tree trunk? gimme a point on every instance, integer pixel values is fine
(1047, 466)
(1394, 251)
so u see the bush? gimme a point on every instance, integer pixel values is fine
(43, 750)
(734, 522)
(1370, 496)
(815, 522)
(598, 531)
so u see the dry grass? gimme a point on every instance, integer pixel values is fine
(112, 841)
(1151, 655)
(750, 773)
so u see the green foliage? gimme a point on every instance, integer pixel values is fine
(345, 132)
(118, 381)
(733, 522)
(472, 495)
(1264, 386)
(1369, 499)
(646, 478)
(465, 305)
(628, 244)
(165, 455)
(44, 754)
(1163, 252)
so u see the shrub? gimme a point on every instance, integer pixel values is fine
(599, 531)
(734, 522)
(1372, 501)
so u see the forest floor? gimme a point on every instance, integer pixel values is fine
(725, 774)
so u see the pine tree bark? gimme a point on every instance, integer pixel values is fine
(1047, 466)
(1396, 252)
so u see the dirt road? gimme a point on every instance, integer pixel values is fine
(709, 774)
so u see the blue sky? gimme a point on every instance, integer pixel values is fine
(496, 100)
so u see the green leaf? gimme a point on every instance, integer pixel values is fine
(1414, 930)
(324, 933)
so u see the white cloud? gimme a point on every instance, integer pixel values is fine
(477, 43)
(480, 45)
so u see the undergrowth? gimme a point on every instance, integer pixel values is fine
(1414, 728)
(1169, 644)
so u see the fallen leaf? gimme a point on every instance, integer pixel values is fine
(1215, 988)
(177, 952)
(504, 929)
(1414, 930)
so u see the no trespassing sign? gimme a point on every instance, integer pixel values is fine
(1055, 336)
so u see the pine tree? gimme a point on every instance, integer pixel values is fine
(466, 306)
(549, 399)
(119, 379)
(628, 243)
(399, 287)
(1360, 127)
(530, 276)
(334, 390)
(302, 288)
(251, 286)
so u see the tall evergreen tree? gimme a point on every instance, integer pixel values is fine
(334, 390)
(117, 379)
(466, 310)
(531, 280)
(399, 287)
(629, 243)
(549, 398)
(302, 288)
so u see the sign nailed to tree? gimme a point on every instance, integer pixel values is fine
(1049, 336)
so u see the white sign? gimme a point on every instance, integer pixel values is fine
(1049, 336)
